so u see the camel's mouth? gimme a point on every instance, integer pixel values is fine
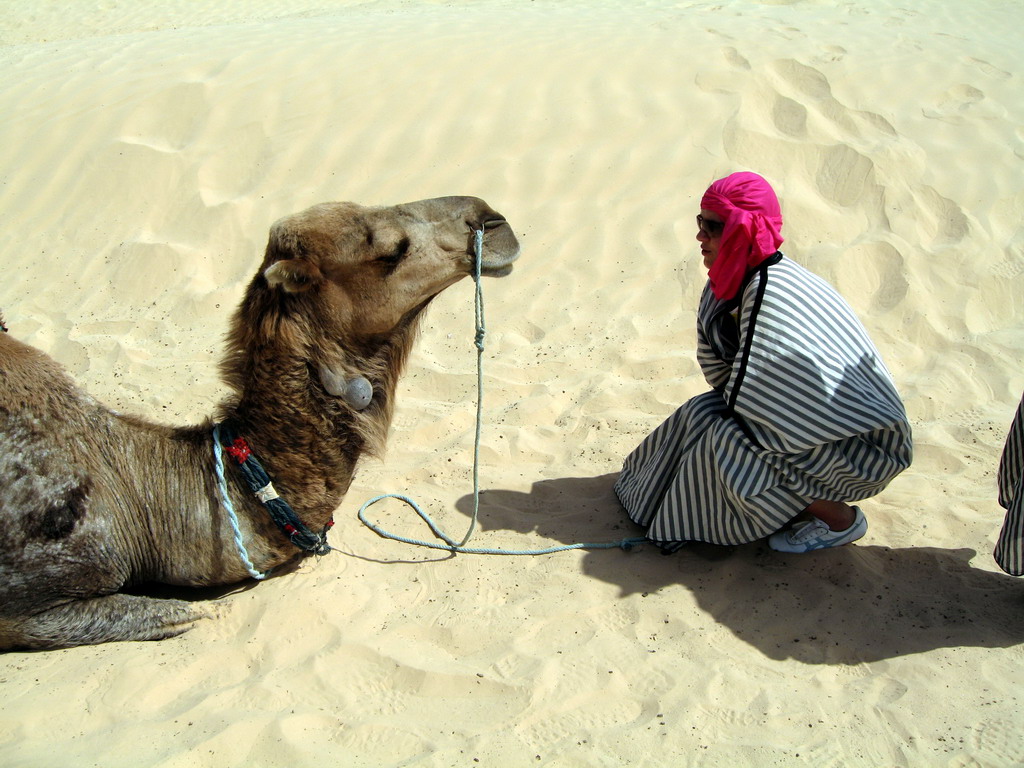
(501, 248)
(495, 271)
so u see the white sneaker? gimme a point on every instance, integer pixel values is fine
(814, 534)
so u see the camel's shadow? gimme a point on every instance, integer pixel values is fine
(850, 605)
(208, 593)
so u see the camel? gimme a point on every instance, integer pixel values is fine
(95, 504)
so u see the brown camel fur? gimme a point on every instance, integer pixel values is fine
(94, 503)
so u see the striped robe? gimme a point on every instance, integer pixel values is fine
(1009, 552)
(802, 409)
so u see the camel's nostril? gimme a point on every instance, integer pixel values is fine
(494, 223)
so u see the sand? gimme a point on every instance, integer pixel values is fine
(146, 148)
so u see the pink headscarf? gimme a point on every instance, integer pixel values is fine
(753, 218)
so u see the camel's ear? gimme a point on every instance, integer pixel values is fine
(294, 275)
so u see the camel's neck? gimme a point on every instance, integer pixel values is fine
(308, 439)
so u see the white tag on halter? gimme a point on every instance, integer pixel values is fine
(267, 493)
(357, 391)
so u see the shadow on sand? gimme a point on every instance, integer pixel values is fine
(849, 605)
(202, 594)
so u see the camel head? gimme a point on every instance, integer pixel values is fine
(371, 270)
(339, 293)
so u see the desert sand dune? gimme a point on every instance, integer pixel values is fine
(146, 151)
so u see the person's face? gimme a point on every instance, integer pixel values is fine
(709, 235)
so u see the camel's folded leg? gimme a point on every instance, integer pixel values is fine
(101, 620)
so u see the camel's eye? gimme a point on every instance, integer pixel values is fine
(391, 260)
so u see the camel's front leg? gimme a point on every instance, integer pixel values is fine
(100, 620)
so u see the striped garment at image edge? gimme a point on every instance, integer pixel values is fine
(1009, 551)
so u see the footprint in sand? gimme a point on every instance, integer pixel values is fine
(1012, 267)
(968, 417)
(999, 742)
(876, 270)
(735, 58)
(826, 755)
(812, 88)
(988, 69)
(618, 617)
(805, 80)
(400, 746)
(587, 713)
(843, 174)
(832, 53)
(883, 692)
(789, 117)
(374, 682)
(951, 103)
(947, 222)
(717, 80)
(733, 718)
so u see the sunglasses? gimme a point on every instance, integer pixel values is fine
(710, 228)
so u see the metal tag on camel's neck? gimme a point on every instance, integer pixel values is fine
(357, 391)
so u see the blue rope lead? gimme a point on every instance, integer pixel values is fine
(450, 545)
